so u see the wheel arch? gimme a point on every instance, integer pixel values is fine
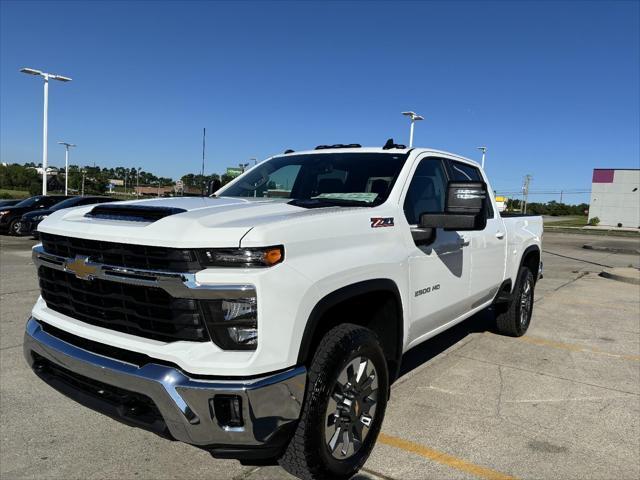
(368, 295)
(531, 258)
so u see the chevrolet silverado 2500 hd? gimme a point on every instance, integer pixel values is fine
(268, 321)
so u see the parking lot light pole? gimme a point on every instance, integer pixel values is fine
(66, 165)
(138, 182)
(414, 118)
(46, 76)
(484, 151)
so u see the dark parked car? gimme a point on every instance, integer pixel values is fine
(9, 203)
(10, 216)
(29, 221)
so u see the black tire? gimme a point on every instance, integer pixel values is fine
(308, 455)
(513, 318)
(14, 227)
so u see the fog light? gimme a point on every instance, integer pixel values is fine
(228, 410)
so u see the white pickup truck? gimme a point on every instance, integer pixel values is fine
(267, 322)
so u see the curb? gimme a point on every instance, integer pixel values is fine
(620, 278)
(628, 251)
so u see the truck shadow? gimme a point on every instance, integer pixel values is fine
(482, 321)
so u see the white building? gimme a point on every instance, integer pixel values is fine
(615, 197)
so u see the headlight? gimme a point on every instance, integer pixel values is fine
(242, 257)
(233, 324)
(39, 218)
(4, 212)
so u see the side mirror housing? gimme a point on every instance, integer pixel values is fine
(464, 208)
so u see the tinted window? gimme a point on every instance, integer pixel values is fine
(361, 178)
(464, 172)
(427, 190)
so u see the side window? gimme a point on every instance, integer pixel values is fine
(465, 172)
(427, 190)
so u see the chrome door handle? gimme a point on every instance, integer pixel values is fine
(500, 235)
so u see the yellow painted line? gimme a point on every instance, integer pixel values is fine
(442, 458)
(574, 348)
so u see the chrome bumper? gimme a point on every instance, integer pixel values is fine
(269, 403)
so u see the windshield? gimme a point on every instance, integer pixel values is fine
(69, 202)
(29, 202)
(343, 179)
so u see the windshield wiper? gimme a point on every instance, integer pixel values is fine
(328, 202)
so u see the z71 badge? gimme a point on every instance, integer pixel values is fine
(381, 222)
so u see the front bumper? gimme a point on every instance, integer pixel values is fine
(270, 404)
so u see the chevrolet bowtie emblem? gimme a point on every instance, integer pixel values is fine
(81, 268)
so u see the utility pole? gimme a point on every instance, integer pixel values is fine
(138, 182)
(45, 122)
(66, 165)
(84, 172)
(525, 192)
(484, 151)
(561, 196)
(126, 176)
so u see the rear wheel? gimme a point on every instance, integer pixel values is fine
(344, 406)
(513, 318)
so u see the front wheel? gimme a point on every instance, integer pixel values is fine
(14, 227)
(344, 406)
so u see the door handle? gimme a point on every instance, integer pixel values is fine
(500, 235)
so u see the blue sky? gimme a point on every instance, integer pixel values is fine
(550, 87)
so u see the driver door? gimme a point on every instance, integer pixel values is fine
(439, 271)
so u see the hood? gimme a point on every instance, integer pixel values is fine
(36, 213)
(203, 222)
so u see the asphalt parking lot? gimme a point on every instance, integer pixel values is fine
(561, 402)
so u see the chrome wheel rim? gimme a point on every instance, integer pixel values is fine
(352, 408)
(526, 300)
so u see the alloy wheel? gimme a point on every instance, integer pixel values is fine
(352, 408)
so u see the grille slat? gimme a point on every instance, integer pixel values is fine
(143, 311)
(123, 254)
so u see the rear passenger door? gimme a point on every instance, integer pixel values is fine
(438, 270)
(487, 248)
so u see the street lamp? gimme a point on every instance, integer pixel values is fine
(47, 77)
(243, 166)
(255, 160)
(66, 164)
(414, 118)
(484, 151)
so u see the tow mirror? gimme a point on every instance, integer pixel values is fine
(464, 208)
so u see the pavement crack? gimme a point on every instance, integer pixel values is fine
(20, 291)
(577, 259)
(10, 347)
(636, 394)
(500, 392)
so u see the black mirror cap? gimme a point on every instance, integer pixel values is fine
(453, 221)
(468, 198)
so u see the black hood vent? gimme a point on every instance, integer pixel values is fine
(132, 213)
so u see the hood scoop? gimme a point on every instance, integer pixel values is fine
(132, 213)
